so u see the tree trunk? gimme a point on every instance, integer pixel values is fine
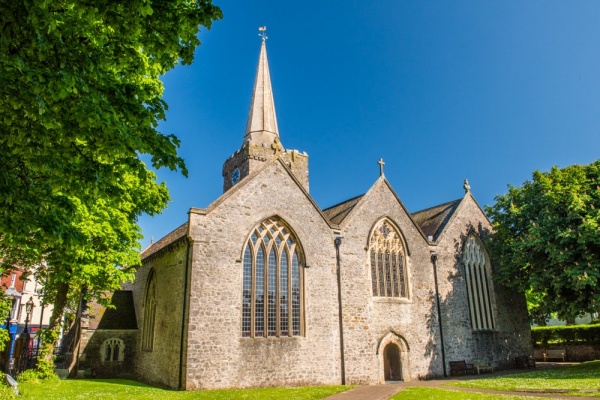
(74, 365)
(50, 335)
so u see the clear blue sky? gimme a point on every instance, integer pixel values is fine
(441, 90)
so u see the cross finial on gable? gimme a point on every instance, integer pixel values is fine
(466, 186)
(381, 164)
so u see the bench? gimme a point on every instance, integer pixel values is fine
(482, 366)
(555, 354)
(461, 368)
(524, 362)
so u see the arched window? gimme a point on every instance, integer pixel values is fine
(149, 313)
(112, 350)
(272, 294)
(479, 288)
(388, 261)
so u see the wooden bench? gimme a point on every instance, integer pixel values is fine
(524, 362)
(461, 368)
(482, 366)
(555, 354)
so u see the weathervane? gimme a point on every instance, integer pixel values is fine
(263, 32)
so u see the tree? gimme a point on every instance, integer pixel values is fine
(547, 240)
(80, 102)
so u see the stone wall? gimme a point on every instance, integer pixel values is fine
(218, 356)
(577, 353)
(161, 366)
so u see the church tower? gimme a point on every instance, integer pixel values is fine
(261, 139)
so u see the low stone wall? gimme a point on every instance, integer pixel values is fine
(581, 352)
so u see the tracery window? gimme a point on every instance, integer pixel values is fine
(272, 304)
(479, 288)
(112, 350)
(149, 313)
(388, 261)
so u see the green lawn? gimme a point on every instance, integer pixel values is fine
(425, 393)
(583, 378)
(117, 389)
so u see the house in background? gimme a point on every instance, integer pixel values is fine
(23, 290)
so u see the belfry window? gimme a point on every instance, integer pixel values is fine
(388, 261)
(149, 313)
(479, 288)
(272, 304)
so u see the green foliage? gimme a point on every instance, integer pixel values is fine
(5, 307)
(547, 240)
(569, 334)
(116, 389)
(7, 392)
(80, 103)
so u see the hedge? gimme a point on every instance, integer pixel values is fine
(561, 335)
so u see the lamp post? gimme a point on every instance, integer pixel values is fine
(28, 311)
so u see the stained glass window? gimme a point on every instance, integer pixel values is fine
(272, 294)
(386, 256)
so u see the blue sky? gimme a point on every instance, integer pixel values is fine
(441, 90)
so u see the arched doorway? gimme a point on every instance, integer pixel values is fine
(392, 366)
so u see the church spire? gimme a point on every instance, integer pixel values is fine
(261, 128)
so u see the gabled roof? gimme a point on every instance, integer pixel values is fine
(167, 240)
(122, 317)
(242, 183)
(433, 220)
(338, 212)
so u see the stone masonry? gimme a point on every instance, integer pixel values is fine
(351, 334)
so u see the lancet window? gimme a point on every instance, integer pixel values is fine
(479, 287)
(388, 261)
(272, 294)
(149, 313)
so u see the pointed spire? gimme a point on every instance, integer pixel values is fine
(261, 128)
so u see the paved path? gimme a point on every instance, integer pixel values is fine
(384, 392)
(371, 392)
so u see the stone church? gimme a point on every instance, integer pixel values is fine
(265, 288)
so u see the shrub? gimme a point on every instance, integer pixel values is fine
(541, 336)
(37, 376)
(7, 392)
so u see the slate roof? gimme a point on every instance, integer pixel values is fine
(337, 213)
(171, 237)
(121, 317)
(433, 220)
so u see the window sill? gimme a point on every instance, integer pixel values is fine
(395, 300)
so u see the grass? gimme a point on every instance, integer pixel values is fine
(425, 393)
(123, 389)
(583, 378)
